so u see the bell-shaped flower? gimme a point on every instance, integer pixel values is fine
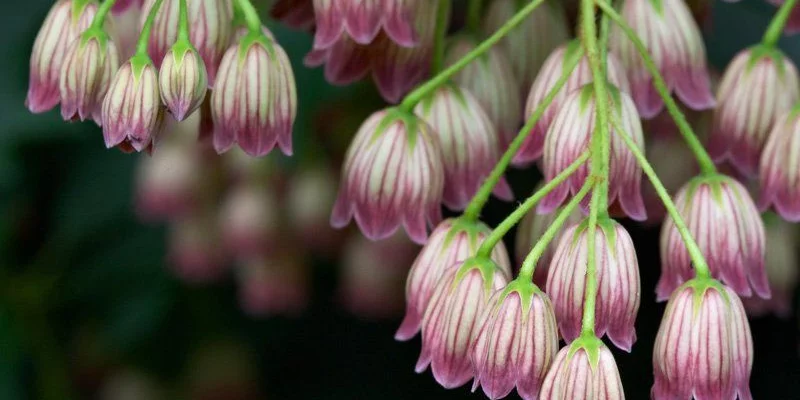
(183, 80)
(781, 263)
(779, 175)
(584, 370)
(362, 21)
(86, 73)
(250, 219)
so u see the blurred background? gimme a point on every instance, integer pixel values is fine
(104, 297)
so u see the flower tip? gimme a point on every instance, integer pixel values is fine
(409, 327)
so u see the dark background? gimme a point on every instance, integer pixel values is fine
(86, 296)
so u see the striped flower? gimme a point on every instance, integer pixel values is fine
(165, 27)
(570, 135)
(516, 343)
(362, 20)
(453, 241)
(551, 72)
(63, 25)
(250, 218)
(183, 80)
(468, 141)
(585, 370)
(781, 266)
(673, 39)
(393, 174)
(619, 289)
(254, 102)
(529, 44)
(531, 229)
(724, 221)
(453, 319)
(490, 79)
(759, 86)
(86, 73)
(779, 175)
(704, 347)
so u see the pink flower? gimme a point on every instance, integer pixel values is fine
(165, 27)
(453, 317)
(195, 254)
(250, 219)
(516, 343)
(570, 135)
(468, 141)
(743, 119)
(210, 30)
(298, 14)
(362, 21)
(618, 292)
(673, 39)
(704, 347)
(530, 230)
(781, 265)
(183, 81)
(585, 370)
(63, 25)
(86, 73)
(725, 223)
(273, 285)
(309, 199)
(393, 174)
(779, 175)
(453, 241)
(551, 72)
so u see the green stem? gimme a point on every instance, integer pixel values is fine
(707, 166)
(590, 296)
(250, 16)
(699, 261)
(482, 196)
(102, 12)
(497, 234)
(529, 264)
(421, 92)
(605, 27)
(183, 22)
(474, 9)
(442, 17)
(775, 28)
(144, 38)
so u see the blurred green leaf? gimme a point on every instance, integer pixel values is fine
(10, 359)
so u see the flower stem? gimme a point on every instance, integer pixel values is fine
(419, 93)
(250, 15)
(183, 22)
(699, 261)
(529, 264)
(442, 18)
(775, 28)
(590, 296)
(513, 218)
(474, 9)
(482, 196)
(707, 166)
(102, 12)
(144, 37)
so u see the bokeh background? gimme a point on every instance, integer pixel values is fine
(91, 306)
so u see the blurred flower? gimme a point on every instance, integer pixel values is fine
(530, 230)
(781, 266)
(779, 174)
(195, 253)
(298, 14)
(585, 370)
(210, 30)
(363, 20)
(129, 384)
(250, 220)
(88, 66)
(309, 199)
(674, 163)
(275, 283)
(183, 81)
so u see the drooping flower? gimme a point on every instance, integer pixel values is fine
(722, 218)
(453, 241)
(584, 370)
(704, 347)
(570, 135)
(254, 102)
(759, 86)
(452, 320)
(393, 174)
(517, 342)
(552, 70)
(165, 27)
(309, 199)
(195, 254)
(530, 230)
(250, 220)
(673, 39)
(619, 290)
(183, 80)
(362, 21)
(781, 266)
(86, 73)
(63, 25)
(273, 284)
(779, 175)
(468, 141)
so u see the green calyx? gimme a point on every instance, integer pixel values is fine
(138, 63)
(255, 38)
(95, 33)
(78, 6)
(180, 49)
(398, 115)
(604, 223)
(760, 52)
(525, 289)
(484, 265)
(573, 50)
(699, 287)
(427, 102)
(591, 345)
(713, 181)
(468, 226)
(658, 5)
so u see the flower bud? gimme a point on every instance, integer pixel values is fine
(250, 219)
(183, 80)
(743, 119)
(531, 229)
(392, 174)
(517, 342)
(781, 266)
(254, 102)
(672, 37)
(452, 320)
(453, 241)
(195, 253)
(704, 347)
(298, 14)
(273, 285)
(468, 141)
(570, 135)
(551, 72)
(585, 370)
(722, 218)
(89, 65)
(779, 175)
(132, 112)
(63, 25)
(618, 292)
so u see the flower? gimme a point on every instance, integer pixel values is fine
(165, 27)
(452, 320)
(617, 274)
(781, 265)
(585, 370)
(551, 72)
(250, 219)
(570, 135)
(194, 252)
(490, 79)
(704, 347)
(468, 141)
(393, 174)
(722, 218)
(673, 39)
(183, 80)
(531, 229)
(63, 25)
(309, 198)
(132, 112)
(254, 102)
(273, 284)
(779, 176)
(363, 20)
(742, 120)
(453, 241)
(89, 64)
(516, 343)
(298, 14)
